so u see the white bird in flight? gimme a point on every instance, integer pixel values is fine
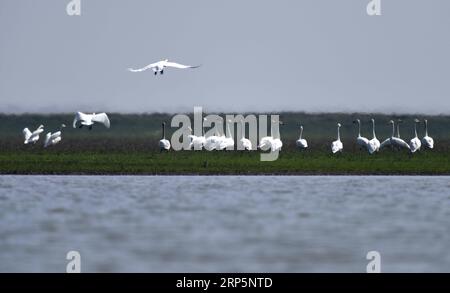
(158, 67)
(53, 138)
(32, 137)
(90, 119)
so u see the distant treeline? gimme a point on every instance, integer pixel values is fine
(318, 128)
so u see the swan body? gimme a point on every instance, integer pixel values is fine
(164, 144)
(227, 141)
(301, 142)
(197, 141)
(32, 137)
(393, 140)
(90, 119)
(53, 138)
(337, 146)
(415, 143)
(158, 67)
(277, 144)
(270, 142)
(265, 143)
(246, 143)
(212, 142)
(427, 141)
(373, 144)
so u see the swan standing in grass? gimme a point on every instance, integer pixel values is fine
(89, 120)
(212, 142)
(52, 139)
(227, 141)
(32, 137)
(246, 143)
(398, 142)
(415, 143)
(427, 141)
(360, 140)
(301, 142)
(158, 67)
(337, 146)
(374, 144)
(394, 141)
(272, 142)
(197, 141)
(164, 144)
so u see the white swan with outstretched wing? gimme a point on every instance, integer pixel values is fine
(158, 67)
(32, 137)
(89, 120)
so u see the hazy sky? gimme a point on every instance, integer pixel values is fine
(257, 55)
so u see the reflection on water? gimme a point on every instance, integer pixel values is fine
(224, 223)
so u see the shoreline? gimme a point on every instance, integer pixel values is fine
(213, 174)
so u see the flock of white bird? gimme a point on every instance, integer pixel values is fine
(374, 145)
(223, 142)
(87, 120)
(226, 141)
(274, 143)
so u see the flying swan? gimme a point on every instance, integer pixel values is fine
(90, 119)
(53, 138)
(32, 137)
(158, 67)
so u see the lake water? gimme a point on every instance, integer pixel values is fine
(224, 223)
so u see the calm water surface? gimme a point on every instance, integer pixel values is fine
(224, 223)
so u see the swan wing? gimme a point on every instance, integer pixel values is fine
(179, 66)
(362, 141)
(150, 66)
(428, 142)
(78, 117)
(385, 143)
(164, 144)
(101, 118)
(47, 139)
(26, 133)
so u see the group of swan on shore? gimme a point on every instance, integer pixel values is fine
(87, 120)
(274, 143)
(220, 142)
(374, 145)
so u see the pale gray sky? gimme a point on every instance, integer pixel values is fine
(257, 55)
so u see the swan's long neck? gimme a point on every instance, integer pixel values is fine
(398, 130)
(301, 132)
(393, 130)
(426, 128)
(163, 131)
(359, 128)
(339, 133)
(415, 129)
(373, 129)
(243, 129)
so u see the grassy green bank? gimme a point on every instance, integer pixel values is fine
(131, 147)
(290, 162)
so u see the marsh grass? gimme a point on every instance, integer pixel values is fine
(290, 162)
